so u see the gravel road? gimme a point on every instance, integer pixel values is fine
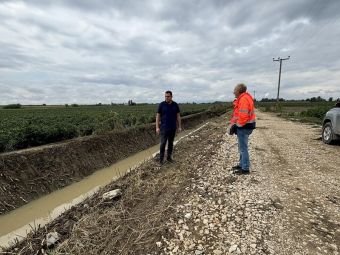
(289, 204)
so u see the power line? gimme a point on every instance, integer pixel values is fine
(298, 30)
(315, 35)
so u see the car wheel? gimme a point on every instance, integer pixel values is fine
(327, 133)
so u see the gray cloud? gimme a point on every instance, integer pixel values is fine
(89, 52)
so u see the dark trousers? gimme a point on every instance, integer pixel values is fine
(166, 136)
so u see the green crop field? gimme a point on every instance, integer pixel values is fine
(32, 126)
(304, 111)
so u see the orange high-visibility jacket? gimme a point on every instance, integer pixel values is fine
(243, 110)
(234, 115)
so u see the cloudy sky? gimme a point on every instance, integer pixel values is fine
(82, 51)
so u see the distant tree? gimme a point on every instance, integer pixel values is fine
(330, 99)
(12, 106)
(130, 102)
(313, 99)
(74, 105)
(66, 105)
(271, 99)
(43, 104)
(316, 99)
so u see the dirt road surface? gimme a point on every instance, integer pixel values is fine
(289, 204)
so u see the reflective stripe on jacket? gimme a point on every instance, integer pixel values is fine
(244, 110)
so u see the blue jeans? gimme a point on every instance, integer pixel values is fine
(242, 137)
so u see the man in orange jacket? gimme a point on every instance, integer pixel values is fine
(242, 124)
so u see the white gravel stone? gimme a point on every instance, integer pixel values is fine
(233, 248)
(188, 215)
(253, 245)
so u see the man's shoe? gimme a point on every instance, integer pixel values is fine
(237, 171)
(170, 160)
(236, 167)
(161, 162)
(241, 171)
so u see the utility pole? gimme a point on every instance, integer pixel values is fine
(278, 87)
(254, 96)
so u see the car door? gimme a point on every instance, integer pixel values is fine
(337, 121)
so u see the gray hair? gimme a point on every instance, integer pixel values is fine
(241, 88)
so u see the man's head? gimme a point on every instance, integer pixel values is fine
(168, 96)
(239, 89)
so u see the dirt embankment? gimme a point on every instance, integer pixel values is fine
(28, 174)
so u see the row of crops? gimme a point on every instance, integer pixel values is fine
(34, 126)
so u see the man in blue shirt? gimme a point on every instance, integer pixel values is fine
(168, 120)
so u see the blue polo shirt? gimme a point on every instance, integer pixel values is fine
(168, 114)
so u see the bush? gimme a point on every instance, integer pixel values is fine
(3, 143)
(35, 135)
(142, 119)
(318, 112)
(217, 108)
(12, 106)
(267, 108)
(114, 122)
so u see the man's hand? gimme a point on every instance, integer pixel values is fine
(179, 129)
(158, 131)
(233, 129)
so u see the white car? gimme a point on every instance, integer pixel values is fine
(331, 125)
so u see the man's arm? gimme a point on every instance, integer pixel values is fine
(157, 123)
(179, 123)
